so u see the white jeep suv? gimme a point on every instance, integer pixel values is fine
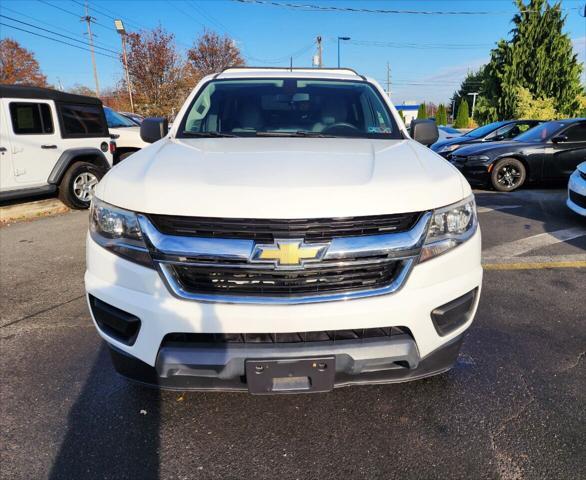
(286, 235)
(52, 141)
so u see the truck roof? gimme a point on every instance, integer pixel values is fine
(284, 72)
(25, 91)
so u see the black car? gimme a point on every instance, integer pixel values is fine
(551, 150)
(493, 132)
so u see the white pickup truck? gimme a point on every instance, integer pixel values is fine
(52, 141)
(286, 235)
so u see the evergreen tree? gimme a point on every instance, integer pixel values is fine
(538, 57)
(471, 84)
(422, 112)
(463, 118)
(402, 115)
(441, 117)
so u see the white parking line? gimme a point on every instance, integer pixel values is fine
(524, 245)
(492, 208)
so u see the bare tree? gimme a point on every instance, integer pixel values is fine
(212, 53)
(18, 65)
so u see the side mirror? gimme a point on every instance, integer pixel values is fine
(559, 139)
(424, 131)
(153, 129)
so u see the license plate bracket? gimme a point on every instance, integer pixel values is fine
(291, 375)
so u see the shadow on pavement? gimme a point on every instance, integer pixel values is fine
(112, 429)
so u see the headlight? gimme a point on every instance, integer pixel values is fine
(449, 148)
(450, 226)
(118, 230)
(478, 158)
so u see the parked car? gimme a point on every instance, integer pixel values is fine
(446, 133)
(135, 117)
(52, 141)
(577, 190)
(552, 150)
(493, 132)
(126, 132)
(287, 235)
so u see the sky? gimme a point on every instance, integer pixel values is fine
(428, 55)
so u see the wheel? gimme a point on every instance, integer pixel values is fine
(508, 174)
(77, 186)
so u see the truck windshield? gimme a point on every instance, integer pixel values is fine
(288, 107)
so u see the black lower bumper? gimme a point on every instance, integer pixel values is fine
(173, 376)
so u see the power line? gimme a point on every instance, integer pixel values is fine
(323, 8)
(420, 46)
(74, 14)
(56, 40)
(50, 24)
(55, 33)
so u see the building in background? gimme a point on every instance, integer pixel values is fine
(409, 110)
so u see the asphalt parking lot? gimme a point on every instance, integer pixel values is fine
(514, 407)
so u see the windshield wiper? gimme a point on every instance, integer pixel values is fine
(298, 133)
(187, 133)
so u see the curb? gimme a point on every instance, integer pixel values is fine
(23, 212)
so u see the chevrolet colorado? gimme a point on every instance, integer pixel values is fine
(286, 235)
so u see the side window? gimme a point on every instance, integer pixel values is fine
(82, 120)
(31, 118)
(523, 127)
(577, 133)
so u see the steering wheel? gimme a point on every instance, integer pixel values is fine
(340, 126)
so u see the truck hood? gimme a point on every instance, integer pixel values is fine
(282, 178)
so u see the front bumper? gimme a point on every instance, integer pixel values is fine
(216, 369)
(141, 292)
(475, 174)
(577, 194)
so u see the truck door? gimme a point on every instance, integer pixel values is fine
(6, 173)
(34, 138)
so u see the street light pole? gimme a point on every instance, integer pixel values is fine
(121, 30)
(340, 38)
(474, 95)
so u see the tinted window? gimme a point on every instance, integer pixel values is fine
(289, 107)
(115, 120)
(82, 120)
(483, 131)
(31, 118)
(577, 133)
(541, 133)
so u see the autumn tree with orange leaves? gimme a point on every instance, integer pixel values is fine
(213, 53)
(19, 66)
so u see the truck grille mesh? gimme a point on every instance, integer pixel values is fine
(177, 339)
(266, 230)
(311, 280)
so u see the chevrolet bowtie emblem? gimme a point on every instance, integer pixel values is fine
(289, 253)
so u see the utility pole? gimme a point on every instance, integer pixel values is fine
(474, 95)
(122, 31)
(388, 80)
(89, 19)
(320, 61)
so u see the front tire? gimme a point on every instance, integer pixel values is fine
(508, 174)
(77, 186)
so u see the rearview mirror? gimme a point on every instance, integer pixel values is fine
(559, 139)
(153, 129)
(424, 131)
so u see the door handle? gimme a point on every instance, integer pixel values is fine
(48, 146)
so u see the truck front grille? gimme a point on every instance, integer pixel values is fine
(266, 230)
(188, 339)
(326, 278)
